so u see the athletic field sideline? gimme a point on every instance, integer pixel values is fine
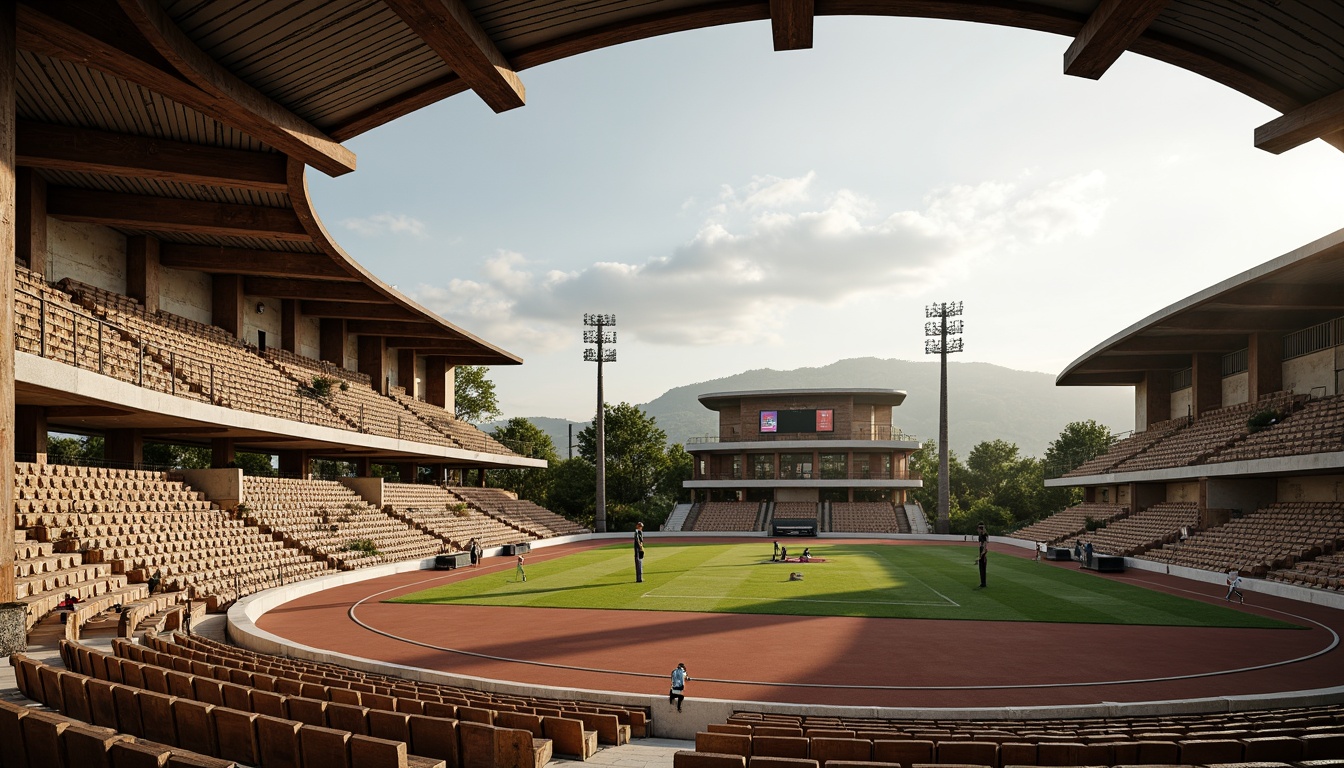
(869, 580)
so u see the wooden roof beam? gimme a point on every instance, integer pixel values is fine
(1294, 296)
(1108, 32)
(440, 346)
(791, 23)
(396, 328)
(1189, 344)
(1245, 320)
(61, 148)
(148, 50)
(1139, 362)
(340, 309)
(293, 288)
(449, 28)
(1321, 119)
(248, 261)
(165, 214)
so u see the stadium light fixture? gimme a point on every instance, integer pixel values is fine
(600, 336)
(939, 329)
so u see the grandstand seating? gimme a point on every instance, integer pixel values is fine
(1069, 522)
(326, 518)
(1211, 433)
(1317, 428)
(447, 516)
(1126, 448)
(1275, 537)
(462, 434)
(1326, 572)
(1273, 736)
(727, 516)
(531, 518)
(867, 517)
(1154, 526)
(100, 533)
(799, 510)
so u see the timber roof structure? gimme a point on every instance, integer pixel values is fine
(196, 121)
(1297, 290)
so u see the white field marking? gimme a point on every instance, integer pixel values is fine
(931, 589)
(948, 604)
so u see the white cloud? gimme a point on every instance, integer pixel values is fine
(385, 224)
(767, 248)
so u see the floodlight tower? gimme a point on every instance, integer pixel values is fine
(941, 327)
(600, 337)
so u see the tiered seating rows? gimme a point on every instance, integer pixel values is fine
(1157, 525)
(1124, 449)
(866, 517)
(1276, 736)
(1275, 537)
(1317, 428)
(536, 520)
(464, 435)
(1326, 572)
(1069, 522)
(796, 510)
(447, 516)
(1210, 433)
(325, 517)
(727, 516)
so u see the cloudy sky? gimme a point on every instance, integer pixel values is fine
(738, 208)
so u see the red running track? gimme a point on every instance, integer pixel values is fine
(936, 663)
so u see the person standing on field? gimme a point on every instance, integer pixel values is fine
(982, 559)
(639, 553)
(521, 575)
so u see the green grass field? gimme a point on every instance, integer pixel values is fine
(865, 580)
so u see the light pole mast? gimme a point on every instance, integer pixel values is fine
(600, 337)
(942, 327)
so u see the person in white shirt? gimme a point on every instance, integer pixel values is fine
(1233, 584)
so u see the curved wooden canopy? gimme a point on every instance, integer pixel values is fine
(1295, 291)
(193, 121)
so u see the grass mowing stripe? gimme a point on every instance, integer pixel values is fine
(875, 580)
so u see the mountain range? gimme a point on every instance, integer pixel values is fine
(985, 402)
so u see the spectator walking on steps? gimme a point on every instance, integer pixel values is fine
(521, 575)
(639, 552)
(679, 678)
(982, 559)
(1234, 587)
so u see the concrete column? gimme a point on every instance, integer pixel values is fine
(1265, 358)
(221, 452)
(1157, 391)
(289, 325)
(440, 475)
(142, 271)
(331, 344)
(124, 447)
(480, 477)
(294, 463)
(406, 370)
(30, 228)
(361, 466)
(408, 471)
(12, 629)
(436, 380)
(373, 361)
(1206, 373)
(226, 305)
(30, 433)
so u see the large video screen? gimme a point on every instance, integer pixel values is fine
(811, 420)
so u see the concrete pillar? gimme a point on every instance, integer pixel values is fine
(373, 361)
(30, 227)
(480, 477)
(436, 380)
(124, 447)
(408, 471)
(361, 466)
(1265, 361)
(30, 433)
(1157, 391)
(289, 325)
(12, 634)
(142, 270)
(226, 303)
(294, 463)
(1206, 374)
(331, 344)
(440, 475)
(222, 453)
(406, 370)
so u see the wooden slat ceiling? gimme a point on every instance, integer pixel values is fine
(1295, 291)
(301, 76)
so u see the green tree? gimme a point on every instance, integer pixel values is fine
(170, 456)
(924, 462)
(259, 464)
(573, 491)
(640, 467)
(74, 449)
(525, 439)
(1079, 442)
(680, 468)
(474, 397)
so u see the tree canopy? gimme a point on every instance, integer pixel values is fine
(1080, 441)
(474, 397)
(526, 439)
